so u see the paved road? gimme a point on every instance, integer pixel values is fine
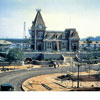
(17, 77)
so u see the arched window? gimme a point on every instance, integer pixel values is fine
(63, 44)
(63, 36)
(40, 35)
(49, 45)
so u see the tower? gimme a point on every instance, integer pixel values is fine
(24, 33)
(37, 32)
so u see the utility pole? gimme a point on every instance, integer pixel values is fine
(24, 37)
(78, 77)
(24, 33)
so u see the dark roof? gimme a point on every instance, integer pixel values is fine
(72, 33)
(52, 31)
(38, 20)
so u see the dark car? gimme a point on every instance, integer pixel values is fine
(6, 87)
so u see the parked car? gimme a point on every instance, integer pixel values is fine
(6, 87)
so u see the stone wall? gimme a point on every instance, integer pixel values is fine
(47, 56)
(52, 56)
(31, 55)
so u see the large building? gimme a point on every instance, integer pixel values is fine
(43, 40)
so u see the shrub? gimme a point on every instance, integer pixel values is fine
(15, 55)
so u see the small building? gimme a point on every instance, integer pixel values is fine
(49, 41)
(20, 44)
(4, 45)
(93, 44)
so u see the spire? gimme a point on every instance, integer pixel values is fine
(38, 19)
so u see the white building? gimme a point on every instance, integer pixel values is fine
(4, 45)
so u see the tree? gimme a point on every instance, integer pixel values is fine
(15, 55)
(88, 42)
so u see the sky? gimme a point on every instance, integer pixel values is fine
(59, 15)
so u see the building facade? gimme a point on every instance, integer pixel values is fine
(43, 40)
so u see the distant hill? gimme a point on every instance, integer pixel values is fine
(97, 38)
(14, 40)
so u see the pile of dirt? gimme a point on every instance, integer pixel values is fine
(64, 77)
(85, 78)
(9, 68)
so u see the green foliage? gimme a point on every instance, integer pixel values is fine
(15, 55)
(88, 41)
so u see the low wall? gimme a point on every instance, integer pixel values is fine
(4, 63)
(43, 56)
(12, 64)
(52, 56)
(31, 55)
(36, 62)
(19, 63)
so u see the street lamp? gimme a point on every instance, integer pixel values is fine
(90, 61)
(78, 77)
(78, 65)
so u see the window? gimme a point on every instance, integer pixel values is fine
(40, 35)
(63, 44)
(74, 44)
(33, 35)
(94, 45)
(56, 36)
(63, 36)
(30, 32)
(46, 36)
(49, 45)
(96, 41)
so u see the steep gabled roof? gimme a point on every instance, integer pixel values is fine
(38, 20)
(72, 33)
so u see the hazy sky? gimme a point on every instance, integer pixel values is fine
(84, 15)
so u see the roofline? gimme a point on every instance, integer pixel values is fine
(54, 31)
(70, 29)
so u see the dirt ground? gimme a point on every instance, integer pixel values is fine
(49, 82)
(20, 67)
